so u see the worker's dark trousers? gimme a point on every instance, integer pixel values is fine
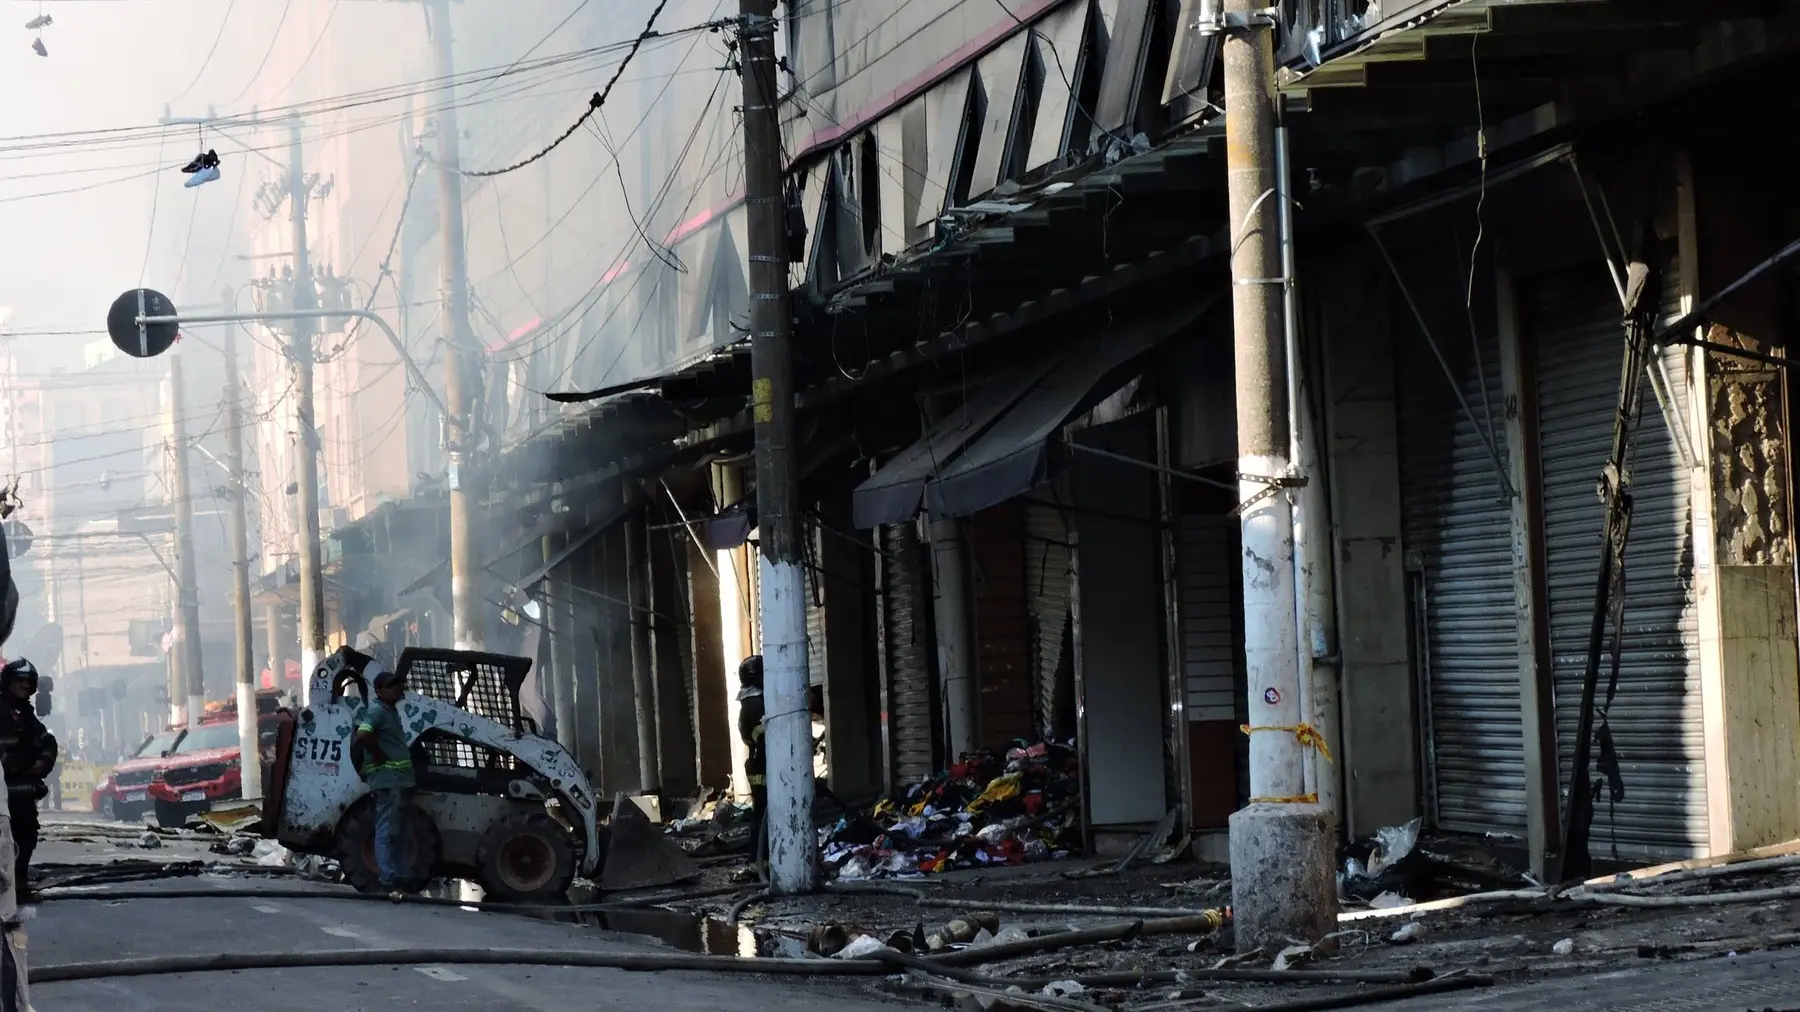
(759, 822)
(392, 807)
(22, 808)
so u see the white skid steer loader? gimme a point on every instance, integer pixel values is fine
(496, 802)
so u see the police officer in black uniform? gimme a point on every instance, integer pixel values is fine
(27, 754)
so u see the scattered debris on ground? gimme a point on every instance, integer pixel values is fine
(1008, 806)
(1156, 934)
(1394, 947)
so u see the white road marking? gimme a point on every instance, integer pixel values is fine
(340, 932)
(261, 909)
(440, 973)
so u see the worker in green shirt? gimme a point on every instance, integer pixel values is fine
(389, 771)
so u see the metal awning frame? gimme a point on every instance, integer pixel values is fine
(1661, 384)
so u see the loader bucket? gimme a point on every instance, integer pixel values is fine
(639, 856)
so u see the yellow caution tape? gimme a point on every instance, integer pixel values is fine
(1292, 799)
(1306, 734)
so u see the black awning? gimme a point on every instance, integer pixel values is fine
(895, 493)
(1009, 458)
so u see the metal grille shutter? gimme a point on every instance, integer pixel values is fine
(1208, 619)
(1458, 527)
(815, 616)
(1047, 582)
(908, 647)
(1573, 318)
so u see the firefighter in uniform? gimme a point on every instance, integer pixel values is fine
(27, 754)
(750, 729)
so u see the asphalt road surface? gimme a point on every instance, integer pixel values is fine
(62, 931)
(78, 931)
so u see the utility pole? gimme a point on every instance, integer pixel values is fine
(306, 438)
(793, 861)
(244, 656)
(187, 606)
(1282, 844)
(463, 360)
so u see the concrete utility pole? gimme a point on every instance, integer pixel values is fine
(187, 605)
(244, 654)
(306, 438)
(463, 368)
(1282, 844)
(793, 861)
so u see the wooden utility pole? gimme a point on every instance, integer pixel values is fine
(187, 604)
(793, 861)
(462, 372)
(244, 653)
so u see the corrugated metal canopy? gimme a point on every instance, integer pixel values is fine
(895, 492)
(1009, 459)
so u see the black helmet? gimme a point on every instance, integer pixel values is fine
(750, 672)
(16, 670)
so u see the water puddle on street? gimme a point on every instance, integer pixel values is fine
(708, 936)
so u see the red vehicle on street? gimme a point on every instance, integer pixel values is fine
(204, 766)
(124, 792)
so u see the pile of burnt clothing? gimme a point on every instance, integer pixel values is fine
(1004, 807)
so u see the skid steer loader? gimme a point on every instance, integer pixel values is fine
(496, 802)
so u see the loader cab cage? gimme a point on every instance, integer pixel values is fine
(454, 765)
(481, 683)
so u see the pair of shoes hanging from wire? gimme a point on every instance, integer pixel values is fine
(38, 24)
(203, 169)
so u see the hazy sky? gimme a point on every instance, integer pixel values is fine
(113, 65)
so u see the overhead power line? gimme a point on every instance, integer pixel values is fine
(334, 103)
(387, 259)
(210, 52)
(274, 40)
(312, 51)
(594, 103)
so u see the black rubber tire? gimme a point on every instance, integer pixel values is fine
(356, 848)
(107, 809)
(526, 857)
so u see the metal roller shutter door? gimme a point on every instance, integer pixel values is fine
(1209, 606)
(1458, 526)
(1047, 582)
(1208, 618)
(1573, 318)
(908, 649)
